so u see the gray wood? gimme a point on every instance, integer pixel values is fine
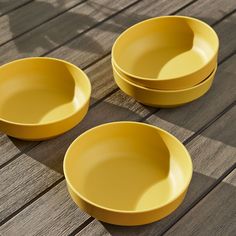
(94, 228)
(215, 10)
(9, 147)
(214, 215)
(105, 34)
(186, 120)
(210, 159)
(52, 214)
(226, 32)
(60, 29)
(21, 180)
(29, 16)
(10, 5)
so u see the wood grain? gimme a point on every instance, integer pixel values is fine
(10, 5)
(214, 215)
(21, 180)
(226, 33)
(186, 120)
(105, 34)
(29, 16)
(10, 147)
(49, 215)
(61, 29)
(95, 228)
(208, 11)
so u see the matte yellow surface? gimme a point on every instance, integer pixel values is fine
(163, 98)
(127, 173)
(41, 97)
(171, 52)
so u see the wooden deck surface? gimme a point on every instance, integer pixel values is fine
(33, 195)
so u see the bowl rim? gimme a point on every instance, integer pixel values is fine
(184, 188)
(87, 98)
(149, 79)
(209, 77)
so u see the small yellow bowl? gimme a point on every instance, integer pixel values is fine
(163, 98)
(127, 173)
(169, 52)
(42, 97)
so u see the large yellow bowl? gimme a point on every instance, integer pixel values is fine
(127, 173)
(169, 52)
(163, 98)
(42, 97)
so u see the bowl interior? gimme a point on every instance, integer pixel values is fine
(165, 48)
(127, 166)
(40, 90)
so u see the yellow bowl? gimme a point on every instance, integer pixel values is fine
(163, 98)
(127, 173)
(169, 52)
(42, 97)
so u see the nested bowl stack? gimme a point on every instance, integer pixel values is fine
(169, 53)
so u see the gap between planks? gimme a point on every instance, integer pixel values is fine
(43, 22)
(15, 8)
(198, 200)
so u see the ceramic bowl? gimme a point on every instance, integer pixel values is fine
(42, 97)
(127, 173)
(169, 52)
(163, 98)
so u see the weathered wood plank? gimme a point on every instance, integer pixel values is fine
(186, 120)
(217, 10)
(209, 164)
(62, 28)
(55, 206)
(105, 34)
(16, 189)
(94, 228)
(29, 16)
(214, 215)
(10, 5)
(227, 33)
(10, 147)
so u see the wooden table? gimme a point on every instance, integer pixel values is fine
(33, 195)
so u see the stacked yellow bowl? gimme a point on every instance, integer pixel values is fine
(166, 61)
